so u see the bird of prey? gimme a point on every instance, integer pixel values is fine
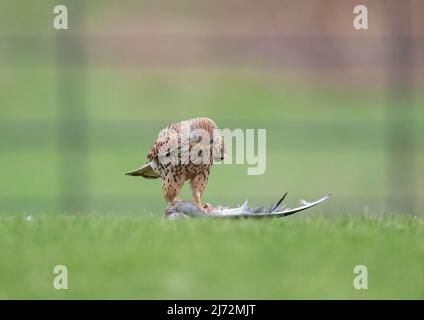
(184, 151)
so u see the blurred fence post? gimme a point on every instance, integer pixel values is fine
(399, 108)
(72, 135)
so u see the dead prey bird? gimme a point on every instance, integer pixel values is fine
(180, 209)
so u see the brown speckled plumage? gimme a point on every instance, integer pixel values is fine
(174, 174)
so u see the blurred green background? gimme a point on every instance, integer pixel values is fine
(343, 108)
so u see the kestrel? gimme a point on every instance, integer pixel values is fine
(184, 151)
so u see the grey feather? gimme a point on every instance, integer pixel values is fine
(190, 209)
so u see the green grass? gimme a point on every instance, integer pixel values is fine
(306, 256)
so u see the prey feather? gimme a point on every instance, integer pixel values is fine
(278, 209)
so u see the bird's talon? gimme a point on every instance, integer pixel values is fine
(208, 207)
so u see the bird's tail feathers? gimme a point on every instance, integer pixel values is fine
(145, 171)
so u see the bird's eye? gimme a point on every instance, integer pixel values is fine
(199, 154)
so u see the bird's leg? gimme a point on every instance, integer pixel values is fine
(198, 185)
(171, 187)
(197, 199)
(170, 198)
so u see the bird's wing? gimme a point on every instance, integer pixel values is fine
(160, 144)
(166, 142)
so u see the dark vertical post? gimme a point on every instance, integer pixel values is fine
(399, 107)
(72, 131)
